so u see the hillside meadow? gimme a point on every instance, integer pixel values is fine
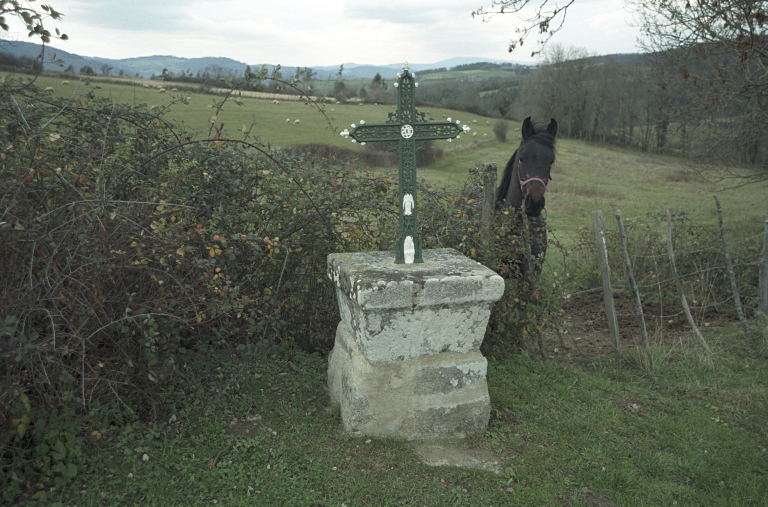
(586, 176)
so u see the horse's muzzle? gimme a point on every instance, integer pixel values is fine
(533, 208)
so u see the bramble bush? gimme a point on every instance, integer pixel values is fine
(125, 243)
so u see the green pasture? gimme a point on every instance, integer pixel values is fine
(274, 124)
(586, 177)
(253, 426)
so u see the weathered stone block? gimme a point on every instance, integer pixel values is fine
(428, 397)
(406, 362)
(397, 312)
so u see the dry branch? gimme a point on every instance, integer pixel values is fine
(632, 283)
(679, 286)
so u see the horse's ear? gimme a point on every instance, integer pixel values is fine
(527, 130)
(552, 127)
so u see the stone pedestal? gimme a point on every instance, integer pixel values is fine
(406, 362)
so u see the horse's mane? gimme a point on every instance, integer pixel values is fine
(506, 180)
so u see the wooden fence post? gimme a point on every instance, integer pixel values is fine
(489, 193)
(679, 286)
(763, 291)
(731, 275)
(605, 270)
(632, 283)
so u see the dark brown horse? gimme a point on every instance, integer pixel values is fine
(525, 180)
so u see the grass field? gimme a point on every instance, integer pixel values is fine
(586, 177)
(269, 118)
(235, 430)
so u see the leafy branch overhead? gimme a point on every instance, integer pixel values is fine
(32, 18)
(543, 19)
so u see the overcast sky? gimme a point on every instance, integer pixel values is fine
(325, 32)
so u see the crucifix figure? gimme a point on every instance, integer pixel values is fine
(406, 131)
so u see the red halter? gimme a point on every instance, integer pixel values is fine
(528, 178)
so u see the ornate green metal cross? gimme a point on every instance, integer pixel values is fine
(406, 131)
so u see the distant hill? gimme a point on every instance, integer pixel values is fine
(145, 66)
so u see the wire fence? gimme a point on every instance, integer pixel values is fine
(680, 257)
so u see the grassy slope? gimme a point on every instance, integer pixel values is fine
(259, 432)
(269, 118)
(585, 177)
(636, 180)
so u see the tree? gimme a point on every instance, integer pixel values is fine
(106, 69)
(276, 77)
(31, 18)
(87, 70)
(341, 92)
(560, 88)
(716, 54)
(308, 74)
(710, 60)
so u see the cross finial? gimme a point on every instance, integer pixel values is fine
(405, 66)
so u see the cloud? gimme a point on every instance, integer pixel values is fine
(407, 12)
(131, 15)
(308, 32)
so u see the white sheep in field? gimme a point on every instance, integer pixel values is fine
(287, 120)
(275, 101)
(332, 110)
(49, 89)
(474, 134)
(296, 122)
(474, 121)
(144, 85)
(161, 90)
(65, 82)
(174, 89)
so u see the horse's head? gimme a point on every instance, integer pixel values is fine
(535, 157)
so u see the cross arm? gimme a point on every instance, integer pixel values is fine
(374, 132)
(441, 130)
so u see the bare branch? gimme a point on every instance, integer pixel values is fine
(545, 20)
